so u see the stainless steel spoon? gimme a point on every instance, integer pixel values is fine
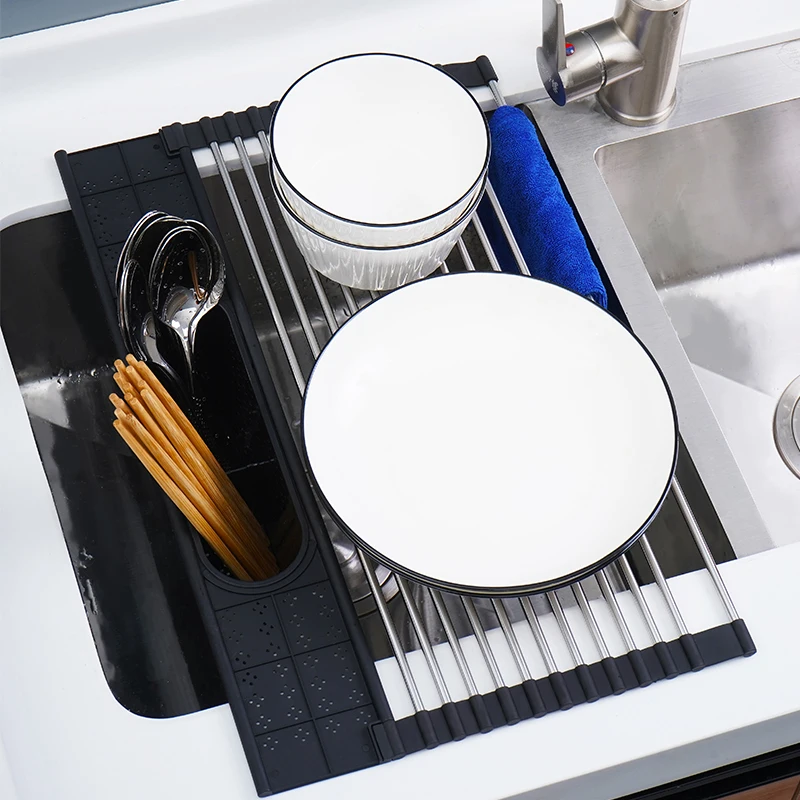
(216, 278)
(133, 240)
(136, 321)
(187, 277)
(149, 338)
(125, 276)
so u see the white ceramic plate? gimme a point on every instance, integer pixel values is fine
(379, 139)
(489, 433)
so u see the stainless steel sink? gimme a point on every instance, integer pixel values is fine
(714, 210)
(697, 223)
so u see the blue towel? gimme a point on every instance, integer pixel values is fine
(537, 211)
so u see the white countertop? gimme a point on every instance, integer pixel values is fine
(62, 734)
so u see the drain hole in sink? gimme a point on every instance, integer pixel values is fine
(787, 426)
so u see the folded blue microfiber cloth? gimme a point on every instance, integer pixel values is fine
(537, 211)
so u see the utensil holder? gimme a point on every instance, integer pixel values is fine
(296, 670)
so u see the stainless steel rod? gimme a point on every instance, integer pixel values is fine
(490, 254)
(262, 140)
(483, 642)
(391, 631)
(465, 256)
(705, 552)
(611, 599)
(455, 643)
(496, 94)
(511, 640)
(424, 642)
(638, 595)
(538, 635)
(591, 620)
(327, 310)
(663, 585)
(305, 322)
(566, 631)
(503, 220)
(283, 334)
(349, 299)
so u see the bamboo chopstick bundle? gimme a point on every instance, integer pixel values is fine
(169, 446)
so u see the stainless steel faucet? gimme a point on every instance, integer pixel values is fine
(630, 60)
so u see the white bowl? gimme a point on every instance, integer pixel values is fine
(379, 150)
(374, 268)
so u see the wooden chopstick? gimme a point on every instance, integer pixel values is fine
(181, 501)
(173, 410)
(175, 454)
(200, 468)
(132, 403)
(199, 472)
(188, 484)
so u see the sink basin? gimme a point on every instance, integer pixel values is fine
(714, 211)
(120, 530)
(696, 222)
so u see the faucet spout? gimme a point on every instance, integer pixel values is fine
(629, 60)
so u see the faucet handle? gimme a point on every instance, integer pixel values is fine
(553, 35)
(571, 67)
(551, 57)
